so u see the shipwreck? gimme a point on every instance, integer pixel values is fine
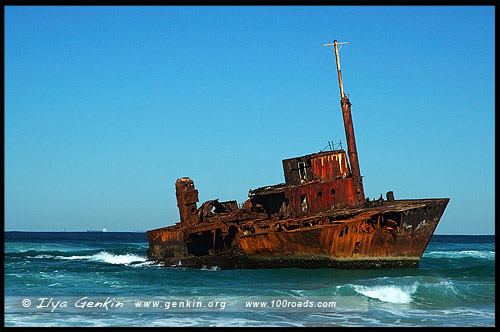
(318, 218)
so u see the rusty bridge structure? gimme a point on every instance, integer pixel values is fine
(319, 217)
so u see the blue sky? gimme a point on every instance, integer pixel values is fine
(105, 107)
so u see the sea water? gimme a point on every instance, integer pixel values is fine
(105, 279)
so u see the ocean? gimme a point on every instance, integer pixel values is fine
(97, 279)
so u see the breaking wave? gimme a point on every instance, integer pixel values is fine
(427, 291)
(490, 255)
(388, 293)
(106, 257)
(102, 256)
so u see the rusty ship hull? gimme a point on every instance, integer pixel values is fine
(319, 217)
(391, 234)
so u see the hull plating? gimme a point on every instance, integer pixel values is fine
(394, 234)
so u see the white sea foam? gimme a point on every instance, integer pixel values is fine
(146, 263)
(388, 293)
(41, 256)
(461, 254)
(107, 257)
(212, 268)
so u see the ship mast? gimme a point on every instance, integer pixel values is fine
(349, 132)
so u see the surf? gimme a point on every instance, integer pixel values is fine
(388, 293)
(106, 257)
(487, 254)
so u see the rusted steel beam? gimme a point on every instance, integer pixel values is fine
(349, 133)
(338, 68)
(187, 197)
(351, 148)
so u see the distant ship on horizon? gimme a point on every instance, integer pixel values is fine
(104, 230)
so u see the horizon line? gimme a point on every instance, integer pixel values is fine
(98, 231)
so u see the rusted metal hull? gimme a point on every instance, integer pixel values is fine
(393, 234)
(318, 218)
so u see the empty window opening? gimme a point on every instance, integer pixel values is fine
(320, 194)
(303, 199)
(302, 172)
(333, 191)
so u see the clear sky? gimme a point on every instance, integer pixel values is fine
(105, 107)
